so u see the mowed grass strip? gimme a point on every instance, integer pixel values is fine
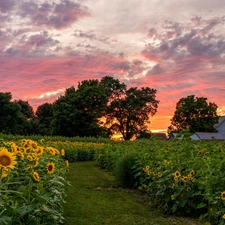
(94, 199)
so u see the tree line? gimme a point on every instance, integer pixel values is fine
(95, 108)
(101, 108)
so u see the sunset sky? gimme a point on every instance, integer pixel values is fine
(174, 46)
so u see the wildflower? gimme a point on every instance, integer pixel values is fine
(172, 197)
(223, 195)
(36, 176)
(50, 168)
(165, 161)
(7, 159)
(223, 216)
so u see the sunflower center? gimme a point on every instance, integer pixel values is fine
(5, 160)
(50, 168)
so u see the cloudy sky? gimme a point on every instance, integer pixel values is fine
(174, 46)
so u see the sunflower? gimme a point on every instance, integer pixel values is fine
(223, 216)
(34, 145)
(30, 158)
(223, 195)
(50, 150)
(27, 150)
(172, 197)
(7, 159)
(14, 148)
(4, 173)
(185, 179)
(62, 152)
(57, 152)
(177, 174)
(67, 163)
(200, 152)
(36, 176)
(50, 167)
(21, 155)
(39, 151)
(36, 162)
(188, 188)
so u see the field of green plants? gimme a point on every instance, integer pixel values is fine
(181, 177)
(32, 180)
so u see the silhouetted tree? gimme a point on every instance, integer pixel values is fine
(130, 114)
(12, 120)
(195, 114)
(44, 116)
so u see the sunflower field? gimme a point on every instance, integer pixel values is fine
(32, 183)
(182, 177)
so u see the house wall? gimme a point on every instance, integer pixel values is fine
(221, 129)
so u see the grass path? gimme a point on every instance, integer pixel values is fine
(93, 199)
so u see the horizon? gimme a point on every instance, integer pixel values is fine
(176, 47)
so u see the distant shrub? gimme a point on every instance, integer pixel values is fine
(124, 171)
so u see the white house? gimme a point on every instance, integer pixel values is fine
(220, 126)
(220, 135)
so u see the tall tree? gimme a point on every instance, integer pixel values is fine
(26, 108)
(130, 114)
(114, 88)
(12, 120)
(77, 113)
(195, 114)
(44, 115)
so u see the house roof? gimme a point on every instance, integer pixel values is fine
(209, 136)
(221, 120)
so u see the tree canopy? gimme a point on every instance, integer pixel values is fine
(130, 114)
(14, 115)
(195, 114)
(94, 108)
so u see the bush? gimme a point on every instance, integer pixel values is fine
(124, 171)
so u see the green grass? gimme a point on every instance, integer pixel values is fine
(94, 199)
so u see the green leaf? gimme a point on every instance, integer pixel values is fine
(5, 220)
(33, 222)
(201, 205)
(25, 209)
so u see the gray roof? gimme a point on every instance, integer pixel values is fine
(221, 120)
(209, 136)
